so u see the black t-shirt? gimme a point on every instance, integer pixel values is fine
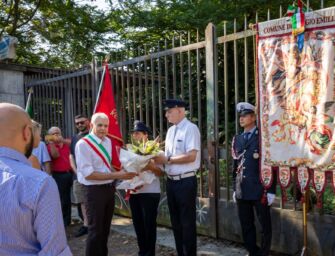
(74, 141)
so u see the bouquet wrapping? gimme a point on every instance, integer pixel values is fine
(134, 160)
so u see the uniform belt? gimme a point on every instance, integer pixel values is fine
(182, 176)
(102, 185)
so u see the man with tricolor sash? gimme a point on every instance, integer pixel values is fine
(94, 170)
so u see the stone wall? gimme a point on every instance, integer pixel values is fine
(287, 230)
(12, 86)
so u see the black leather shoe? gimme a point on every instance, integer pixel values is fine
(82, 231)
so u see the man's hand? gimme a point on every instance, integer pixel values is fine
(160, 159)
(234, 197)
(122, 175)
(271, 198)
(149, 166)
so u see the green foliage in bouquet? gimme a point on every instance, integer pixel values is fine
(144, 148)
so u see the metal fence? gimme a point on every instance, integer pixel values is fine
(212, 75)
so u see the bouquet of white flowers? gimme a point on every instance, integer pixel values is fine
(135, 159)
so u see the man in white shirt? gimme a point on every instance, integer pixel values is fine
(93, 159)
(182, 160)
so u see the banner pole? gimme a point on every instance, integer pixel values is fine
(100, 87)
(304, 212)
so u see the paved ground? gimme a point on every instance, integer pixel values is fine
(122, 242)
(118, 244)
(206, 246)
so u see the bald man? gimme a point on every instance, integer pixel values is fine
(30, 214)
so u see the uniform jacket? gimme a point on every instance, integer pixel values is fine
(251, 186)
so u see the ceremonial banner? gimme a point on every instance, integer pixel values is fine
(284, 177)
(303, 178)
(319, 183)
(106, 104)
(296, 95)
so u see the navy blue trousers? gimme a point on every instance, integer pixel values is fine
(144, 213)
(181, 197)
(247, 220)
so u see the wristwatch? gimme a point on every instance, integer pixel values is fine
(169, 160)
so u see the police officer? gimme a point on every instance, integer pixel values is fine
(182, 160)
(248, 190)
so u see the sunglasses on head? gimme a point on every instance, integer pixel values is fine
(81, 122)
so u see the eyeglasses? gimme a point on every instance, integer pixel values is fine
(80, 123)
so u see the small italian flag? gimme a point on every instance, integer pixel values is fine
(298, 23)
(29, 107)
(291, 10)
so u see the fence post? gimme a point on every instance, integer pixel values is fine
(94, 81)
(212, 123)
(68, 110)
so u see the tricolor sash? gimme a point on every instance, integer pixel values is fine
(99, 150)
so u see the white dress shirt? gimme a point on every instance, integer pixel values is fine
(181, 139)
(89, 161)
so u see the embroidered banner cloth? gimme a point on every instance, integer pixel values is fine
(296, 92)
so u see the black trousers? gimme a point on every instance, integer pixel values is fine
(64, 183)
(247, 220)
(100, 209)
(181, 197)
(144, 213)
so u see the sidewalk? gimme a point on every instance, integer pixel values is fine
(206, 246)
(122, 241)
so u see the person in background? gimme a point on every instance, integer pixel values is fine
(182, 160)
(94, 170)
(83, 125)
(30, 213)
(40, 153)
(248, 189)
(144, 200)
(37, 138)
(61, 171)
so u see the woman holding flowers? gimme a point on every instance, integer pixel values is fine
(145, 199)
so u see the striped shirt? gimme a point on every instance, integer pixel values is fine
(31, 220)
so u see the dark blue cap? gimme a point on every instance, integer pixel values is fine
(140, 127)
(174, 103)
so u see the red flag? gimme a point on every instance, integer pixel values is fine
(106, 104)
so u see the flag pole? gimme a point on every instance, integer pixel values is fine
(100, 87)
(29, 99)
(304, 214)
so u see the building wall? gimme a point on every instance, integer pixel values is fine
(12, 87)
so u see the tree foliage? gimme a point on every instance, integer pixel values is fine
(55, 33)
(62, 33)
(149, 21)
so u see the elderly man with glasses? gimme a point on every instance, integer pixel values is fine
(61, 171)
